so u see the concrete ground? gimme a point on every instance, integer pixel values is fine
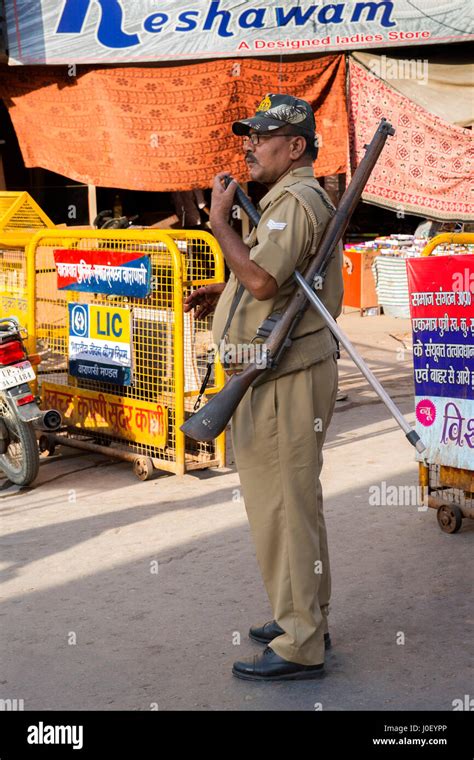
(122, 595)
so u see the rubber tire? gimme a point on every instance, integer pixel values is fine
(455, 518)
(143, 468)
(28, 470)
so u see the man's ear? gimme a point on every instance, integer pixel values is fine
(298, 146)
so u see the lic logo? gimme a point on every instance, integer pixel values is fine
(80, 320)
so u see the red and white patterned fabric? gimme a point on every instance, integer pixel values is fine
(426, 168)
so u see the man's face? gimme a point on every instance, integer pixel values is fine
(272, 156)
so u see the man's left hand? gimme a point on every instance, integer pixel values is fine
(222, 200)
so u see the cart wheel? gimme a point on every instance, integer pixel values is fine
(449, 518)
(143, 468)
(45, 444)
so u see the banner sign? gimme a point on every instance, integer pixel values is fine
(110, 31)
(139, 421)
(109, 272)
(100, 345)
(442, 312)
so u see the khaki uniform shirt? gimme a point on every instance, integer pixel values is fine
(281, 243)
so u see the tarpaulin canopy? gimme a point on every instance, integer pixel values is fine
(426, 168)
(164, 128)
(443, 86)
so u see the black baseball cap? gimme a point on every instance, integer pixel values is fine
(276, 111)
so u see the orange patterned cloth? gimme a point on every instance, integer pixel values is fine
(164, 129)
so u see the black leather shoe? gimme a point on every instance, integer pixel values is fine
(269, 666)
(269, 631)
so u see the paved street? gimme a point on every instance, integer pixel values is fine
(122, 595)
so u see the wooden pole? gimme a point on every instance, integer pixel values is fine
(3, 185)
(92, 203)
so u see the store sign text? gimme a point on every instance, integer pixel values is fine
(90, 31)
(110, 32)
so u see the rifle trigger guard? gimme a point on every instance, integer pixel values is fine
(275, 359)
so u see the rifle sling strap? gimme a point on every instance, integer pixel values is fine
(235, 302)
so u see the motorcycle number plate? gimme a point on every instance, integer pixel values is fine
(16, 375)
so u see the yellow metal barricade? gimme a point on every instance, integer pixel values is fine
(169, 347)
(13, 278)
(20, 217)
(20, 213)
(448, 238)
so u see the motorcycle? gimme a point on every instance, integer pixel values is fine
(19, 410)
(105, 220)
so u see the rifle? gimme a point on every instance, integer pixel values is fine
(211, 420)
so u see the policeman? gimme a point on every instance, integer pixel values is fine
(278, 429)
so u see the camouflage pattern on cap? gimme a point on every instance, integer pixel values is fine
(276, 111)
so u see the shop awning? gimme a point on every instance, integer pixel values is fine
(164, 128)
(426, 168)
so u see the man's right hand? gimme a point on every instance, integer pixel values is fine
(204, 299)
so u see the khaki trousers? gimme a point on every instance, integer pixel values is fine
(278, 431)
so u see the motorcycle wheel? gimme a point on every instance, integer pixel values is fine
(20, 462)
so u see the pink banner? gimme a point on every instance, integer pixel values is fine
(442, 312)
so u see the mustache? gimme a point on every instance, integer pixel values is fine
(250, 158)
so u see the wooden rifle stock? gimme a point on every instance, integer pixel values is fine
(211, 420)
